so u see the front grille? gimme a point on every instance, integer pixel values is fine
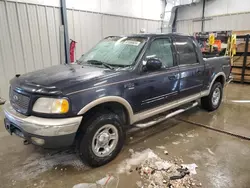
(19, 101)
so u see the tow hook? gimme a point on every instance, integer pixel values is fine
(26, 142)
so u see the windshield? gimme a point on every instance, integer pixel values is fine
(115, 51)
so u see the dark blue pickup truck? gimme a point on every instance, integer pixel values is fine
(123, 81)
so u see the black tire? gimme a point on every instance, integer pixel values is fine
(206, 102)
(85, 138)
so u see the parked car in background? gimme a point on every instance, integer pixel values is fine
(120, 82)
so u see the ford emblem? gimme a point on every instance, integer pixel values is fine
(15, 98)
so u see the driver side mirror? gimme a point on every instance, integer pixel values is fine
(153, 64)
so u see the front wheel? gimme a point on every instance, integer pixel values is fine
(213, 100)
(102, 139)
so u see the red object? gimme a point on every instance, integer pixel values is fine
(107, 180)
(72, 50)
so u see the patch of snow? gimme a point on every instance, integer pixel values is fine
(185, 141)
(191, 134)
(190, 167)
(209, 150)
(139, 184)
(205, 157)
(176, 143)
(85, 185)
(37, 164)
(100, 183)
(131, 150)
(179, 134)
(105, 180)
(162, 165)
(136, 159)
(157, 172)
(196, 156)
(160, 147)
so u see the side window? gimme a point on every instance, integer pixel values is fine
(161, 48)
(186, 49)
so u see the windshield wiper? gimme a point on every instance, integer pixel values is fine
(96, 62)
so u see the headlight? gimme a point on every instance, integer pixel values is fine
(51, 106)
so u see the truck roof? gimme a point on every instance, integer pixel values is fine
(157, 34)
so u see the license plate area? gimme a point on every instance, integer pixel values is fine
(11, 128)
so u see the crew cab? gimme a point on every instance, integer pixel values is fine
(123, 81)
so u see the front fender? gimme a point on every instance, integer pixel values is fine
(87, 99)
(107, 99)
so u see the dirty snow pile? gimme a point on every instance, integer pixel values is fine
(158, 173)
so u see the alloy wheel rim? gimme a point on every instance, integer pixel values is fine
(216, 96)
(105, 140)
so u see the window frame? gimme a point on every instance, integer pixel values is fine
(172, 48)
(178, 53)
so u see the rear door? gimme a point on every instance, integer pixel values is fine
(191, 70)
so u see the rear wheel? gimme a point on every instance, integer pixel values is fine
(101, 140)
(213, 100)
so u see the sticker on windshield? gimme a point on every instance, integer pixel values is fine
(132, 42)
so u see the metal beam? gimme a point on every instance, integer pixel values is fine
(203, 17)
(245, 59)
(66, 33)
(163, 14)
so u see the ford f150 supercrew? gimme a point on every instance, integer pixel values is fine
(123, 81)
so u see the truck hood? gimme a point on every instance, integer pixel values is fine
(56, 79)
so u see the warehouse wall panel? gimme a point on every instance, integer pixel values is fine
(226, 7)
(146, 9)
(44, 37)
(52, 35)
(189, 11)
(222, 15)
(30, 39)
(25, 37)
(228, 22)
(33, 29)
(87, 28)
(8, 59)
(15, 36)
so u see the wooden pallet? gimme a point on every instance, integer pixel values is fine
(237, 78)
(241, 47)
(238, 61)
(239, 71)
(238, 65)
(244, 32)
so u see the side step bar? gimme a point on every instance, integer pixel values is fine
(150, 123)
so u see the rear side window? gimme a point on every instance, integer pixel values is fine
(186, 50)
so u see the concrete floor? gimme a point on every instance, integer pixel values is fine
(223, 160)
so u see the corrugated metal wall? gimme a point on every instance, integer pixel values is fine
(188, 26)
(87, 28)
(29, 39)
(29, 35)
(235, 22)
(222, 14)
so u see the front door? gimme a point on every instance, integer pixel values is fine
(191, 70)
(155, 88)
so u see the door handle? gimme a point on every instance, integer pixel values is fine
(199, 72)
(172, 77)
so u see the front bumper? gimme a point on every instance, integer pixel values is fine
(58, 132)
